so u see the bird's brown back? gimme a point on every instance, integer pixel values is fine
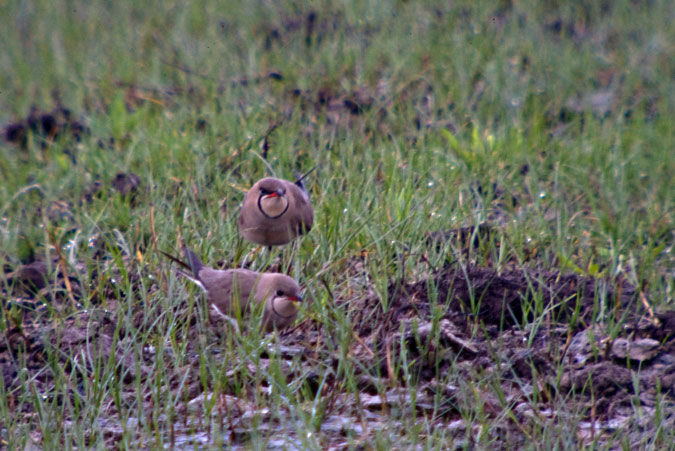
(223, 286)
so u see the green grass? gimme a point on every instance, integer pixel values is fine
(552, 122)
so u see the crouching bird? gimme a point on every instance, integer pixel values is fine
(275, 212)
(275, 294)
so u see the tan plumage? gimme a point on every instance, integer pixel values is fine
(232, 289)
(275, 212)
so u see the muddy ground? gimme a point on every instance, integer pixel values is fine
(498, 337)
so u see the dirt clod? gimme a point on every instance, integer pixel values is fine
(46, 125)
(30, 278)
(126, 183)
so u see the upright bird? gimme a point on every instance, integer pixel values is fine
(275, 212)
(232, 289)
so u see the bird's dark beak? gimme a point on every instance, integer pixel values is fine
(296, 298)
(277, 193)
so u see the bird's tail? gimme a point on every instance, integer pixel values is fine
(176, 260)
(194, 264)
(300, 177)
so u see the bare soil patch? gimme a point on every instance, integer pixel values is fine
(513, 326)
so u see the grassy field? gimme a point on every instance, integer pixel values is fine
(459, 148)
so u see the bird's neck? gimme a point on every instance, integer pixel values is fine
(284, 307)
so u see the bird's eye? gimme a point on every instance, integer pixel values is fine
(280, 293)
(265, 192)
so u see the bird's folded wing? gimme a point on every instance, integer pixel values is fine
(303, 208)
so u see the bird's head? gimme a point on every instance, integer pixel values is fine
(272, 198)
(283, 296)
